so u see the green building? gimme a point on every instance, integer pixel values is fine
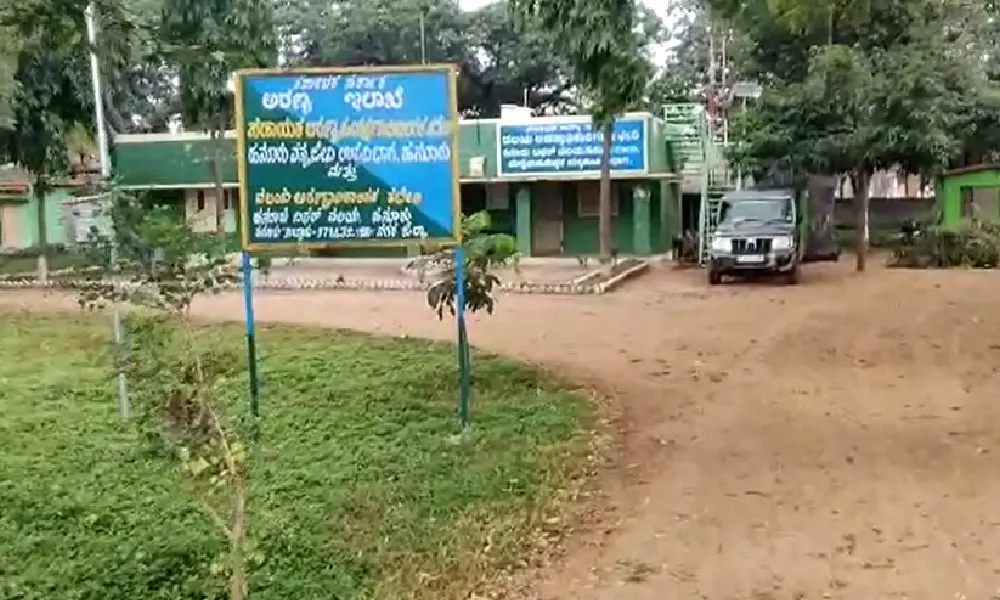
(969, 192)
(66, 216)
(537, 176)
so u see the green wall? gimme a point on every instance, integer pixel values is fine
(580, 233)
(478, 138)
(163, 161)
(659, 149)
(950, 194)
(55, 219)
(632, 232)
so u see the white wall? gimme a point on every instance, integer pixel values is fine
(201, 213)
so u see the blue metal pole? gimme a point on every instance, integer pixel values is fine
(251, 336)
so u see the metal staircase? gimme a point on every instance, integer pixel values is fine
(686, 125)
(701, 152)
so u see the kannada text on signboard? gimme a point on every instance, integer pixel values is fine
(348, 157)
(570, 147)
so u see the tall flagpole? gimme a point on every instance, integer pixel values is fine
(105, 158)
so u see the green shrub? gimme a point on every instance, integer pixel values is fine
(975, 244)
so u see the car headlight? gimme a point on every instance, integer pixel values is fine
(782, 243)
(721, 244)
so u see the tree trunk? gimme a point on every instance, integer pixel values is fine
(604, 199)
(43, 237)
(218, 138)
(860, 181)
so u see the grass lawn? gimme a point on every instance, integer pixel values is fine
(359, 490)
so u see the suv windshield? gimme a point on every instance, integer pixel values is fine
(757, 210)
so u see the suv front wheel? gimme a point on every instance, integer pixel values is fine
(714, 277)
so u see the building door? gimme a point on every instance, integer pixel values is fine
(9, 237)
(981, 203)
(546, 219)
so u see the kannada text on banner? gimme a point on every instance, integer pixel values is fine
(573, 147)
(346, 157)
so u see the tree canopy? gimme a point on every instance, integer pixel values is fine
(851, 89)
(9, 49)
(897, 83)
(147, 47)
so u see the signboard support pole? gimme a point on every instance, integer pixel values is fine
(463, 342)
(251, 338)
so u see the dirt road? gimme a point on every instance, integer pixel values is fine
(837, 439)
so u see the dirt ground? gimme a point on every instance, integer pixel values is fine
(835, 439)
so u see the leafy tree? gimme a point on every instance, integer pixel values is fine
(850, 96)
(975, 30)
(375, 32)
(511, 66)
(683, 77)
(9, 50)
(140, 94)
(482, 253)
(602, 43)
(620, 86)
(208, 41)
(45, 88)
(497, 66)
(51, 101)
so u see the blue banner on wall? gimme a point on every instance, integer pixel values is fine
(569, 147)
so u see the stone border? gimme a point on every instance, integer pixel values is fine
(302, 283)
(632, 272)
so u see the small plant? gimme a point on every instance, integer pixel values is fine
(974, 244)
(217, 471)
(161, 264)
(175, 374)
(482, 253)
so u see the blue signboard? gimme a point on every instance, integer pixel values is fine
(339, 157)
(560, 146)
